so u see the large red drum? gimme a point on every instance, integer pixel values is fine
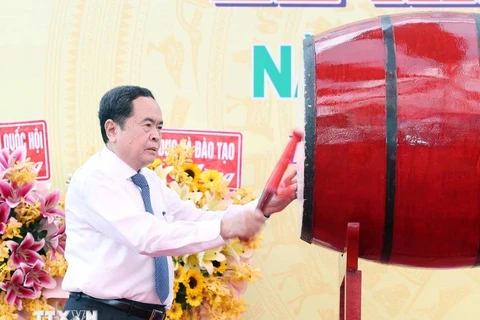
(392, 139)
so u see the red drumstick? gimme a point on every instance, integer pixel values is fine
(277, 174)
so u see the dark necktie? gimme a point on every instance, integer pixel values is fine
(161, 265)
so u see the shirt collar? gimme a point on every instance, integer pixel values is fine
(115, 165)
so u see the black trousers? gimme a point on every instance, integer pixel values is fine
(105, 312)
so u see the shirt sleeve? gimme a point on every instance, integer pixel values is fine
(111, 211)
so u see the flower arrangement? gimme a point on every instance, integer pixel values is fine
(209, 284)
(32, 238)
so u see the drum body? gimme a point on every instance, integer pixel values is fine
(392, 139)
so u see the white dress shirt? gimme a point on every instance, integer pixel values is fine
(112, 239)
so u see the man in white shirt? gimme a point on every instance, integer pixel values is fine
(123, 223)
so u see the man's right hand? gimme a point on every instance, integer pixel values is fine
(243, 226)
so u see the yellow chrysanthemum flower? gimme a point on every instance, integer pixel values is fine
(194, 298)
(220, 190)
(209, 177)
(32, 305)
(177, 155)
(255, 242)
(21, 172)
(190, 313)
(243, 195)
(219, 266)
(198, 187)
(154, 164)
(231, 308)
(212, 181)
(6, 271)
(7, 312)
(179, 273)
(58, 266)
(4, 251)
(175, 312)
(193, 281)
(27, 214)
(234, 307)
(176, 288)
(12, 230)
(242, 272)
(216, 291)
(183, 178)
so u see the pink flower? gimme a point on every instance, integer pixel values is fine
(16, 291)
(13, 195)
(4, 154)
(26, 251)
(56, 237)
(4, 214)
(36, 277)
(43, 188)
(58, 241)
(3, 162)
(48, 206)
(7, 159)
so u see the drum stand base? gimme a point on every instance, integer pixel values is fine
(351, 277)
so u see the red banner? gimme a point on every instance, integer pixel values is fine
(34, 136)
(219, 150)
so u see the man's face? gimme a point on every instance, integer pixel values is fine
(138, 142)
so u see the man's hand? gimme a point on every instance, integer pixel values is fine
(286, 193)
(243, 226)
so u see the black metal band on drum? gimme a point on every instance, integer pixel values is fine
(310, 125)
(391, 136)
